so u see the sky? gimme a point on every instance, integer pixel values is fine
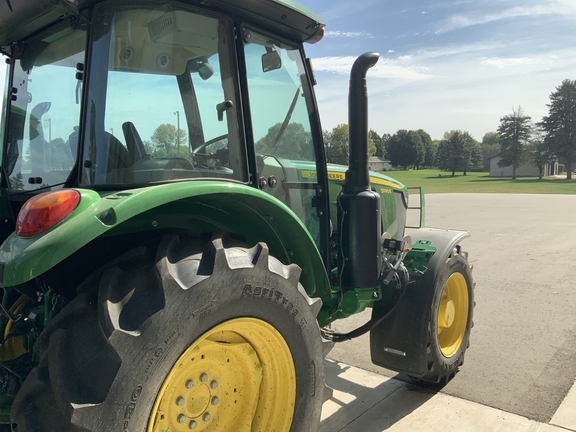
(444, 64)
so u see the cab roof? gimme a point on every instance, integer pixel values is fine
(21, 19)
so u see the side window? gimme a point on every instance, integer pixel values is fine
(279, 113)
(278, 88)
(44, 116)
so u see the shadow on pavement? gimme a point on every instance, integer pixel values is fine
(368, 402)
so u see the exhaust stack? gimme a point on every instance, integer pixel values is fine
(357, 177)
(359, 219)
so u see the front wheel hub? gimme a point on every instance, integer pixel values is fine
(452, 314)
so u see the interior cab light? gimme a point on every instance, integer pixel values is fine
(45, 210)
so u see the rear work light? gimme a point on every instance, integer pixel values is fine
(43, 211)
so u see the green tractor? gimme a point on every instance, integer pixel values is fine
(189, 280)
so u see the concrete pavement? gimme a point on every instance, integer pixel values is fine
(522, 357)
(367, 402)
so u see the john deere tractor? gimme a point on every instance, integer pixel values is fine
(175, 246)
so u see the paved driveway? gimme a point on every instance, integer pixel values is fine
(522, 357)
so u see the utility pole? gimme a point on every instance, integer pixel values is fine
(177, 113)
(49, 120)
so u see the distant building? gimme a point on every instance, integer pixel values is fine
(526, 170)
(486, 156)
(376, 163)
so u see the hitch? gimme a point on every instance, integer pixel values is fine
(402, 248)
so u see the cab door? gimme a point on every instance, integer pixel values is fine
(288, 153)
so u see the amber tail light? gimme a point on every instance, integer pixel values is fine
(43, 211)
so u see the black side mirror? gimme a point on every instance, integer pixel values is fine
(271, 61)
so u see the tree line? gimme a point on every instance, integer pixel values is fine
(457, 151)
(517, 141)
(523, 141)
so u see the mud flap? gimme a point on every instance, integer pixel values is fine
(400, 341)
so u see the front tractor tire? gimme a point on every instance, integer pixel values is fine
(451, 319)
(181, 335)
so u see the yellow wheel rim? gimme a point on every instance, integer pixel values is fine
(453, 314)
(238, 376)
(13, 347)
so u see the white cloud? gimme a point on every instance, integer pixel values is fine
(502, 62)
(391, 51)
(551, 7)
(338, 33)
(468, 87)
(450, 51)
(399, 69)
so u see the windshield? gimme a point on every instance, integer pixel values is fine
(45, 110)
(162, 104)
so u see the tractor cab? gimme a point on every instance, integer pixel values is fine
(173, 245)
(120, 96)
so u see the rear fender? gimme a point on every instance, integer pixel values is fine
(151, 211)
(399, 342)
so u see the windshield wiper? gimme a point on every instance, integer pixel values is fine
(288, 117)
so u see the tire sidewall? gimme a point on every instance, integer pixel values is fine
(188, 314)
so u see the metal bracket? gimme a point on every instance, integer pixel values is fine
(9, 315)
(420, 207)
(404, 249)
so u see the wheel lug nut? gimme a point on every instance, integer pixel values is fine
(214, 384)
(179, 401)
(203, 377)
(215, 400)
(206, 417)
(189, 384)
(181, 418)
(192, 424)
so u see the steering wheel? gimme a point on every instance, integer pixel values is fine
(214, 160)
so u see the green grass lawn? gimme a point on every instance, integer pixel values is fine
(436, 181)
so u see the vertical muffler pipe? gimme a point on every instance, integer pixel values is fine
(359, 219)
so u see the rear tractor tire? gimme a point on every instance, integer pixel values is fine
(451, 319)
(178, 336)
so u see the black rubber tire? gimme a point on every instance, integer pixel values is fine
(105, 356)
(440, 368)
